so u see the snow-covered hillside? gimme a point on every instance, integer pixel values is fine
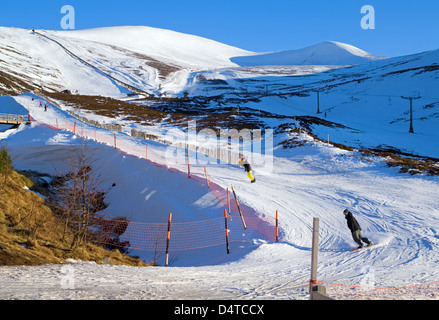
(184, 50)
(325, 53)
(398, 211)
(44, 64)
(360, 106)
(151, 59)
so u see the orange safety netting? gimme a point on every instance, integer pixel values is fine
(243, 223)
(183, 236)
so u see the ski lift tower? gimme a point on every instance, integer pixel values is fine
(411, 111)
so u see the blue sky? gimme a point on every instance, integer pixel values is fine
(401, 27)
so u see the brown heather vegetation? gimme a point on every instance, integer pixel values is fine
(31, 234)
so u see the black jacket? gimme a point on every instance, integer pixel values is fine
(246, 165)
(353, 224)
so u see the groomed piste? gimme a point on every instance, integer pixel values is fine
(257, 266)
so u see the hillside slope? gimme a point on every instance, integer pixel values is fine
(151, 59)
(325, 53)
(359, 106)
(31, 234)
(311, 180)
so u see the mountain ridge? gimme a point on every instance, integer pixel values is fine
(324, 53)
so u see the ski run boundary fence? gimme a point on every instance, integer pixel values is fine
(222, 154)
(240, 223)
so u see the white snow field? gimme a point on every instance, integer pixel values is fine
(325, 53)
(397, 211)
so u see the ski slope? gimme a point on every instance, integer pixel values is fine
(325, 53)
(363, 104)
(151, 59)
(398, 211)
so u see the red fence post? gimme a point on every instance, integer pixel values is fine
(168, 237)
(277, 226)
(189, 170)
(115, 140)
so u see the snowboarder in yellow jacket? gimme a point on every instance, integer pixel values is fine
(248, 168)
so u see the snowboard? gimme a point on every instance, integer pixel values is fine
(365, 248)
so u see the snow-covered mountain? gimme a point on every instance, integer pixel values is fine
(360, 105)
(81, 61)
(107, 61)
(184, 50)
(325, 53)
(150, 59)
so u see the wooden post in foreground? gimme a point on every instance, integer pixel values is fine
(314, 254)
(168, 237)
(316, 292)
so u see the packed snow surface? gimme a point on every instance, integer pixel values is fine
(363, 107)
(397, 211)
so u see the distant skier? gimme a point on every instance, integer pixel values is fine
(45, 107)
(248, 169)
(355, 228)
(41, 104)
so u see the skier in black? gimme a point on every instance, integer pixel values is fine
(355, 228)
(248, 169)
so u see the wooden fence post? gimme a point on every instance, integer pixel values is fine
(227, 232)
(168, 237)
(239, 208)
(314, 255)
(277, 226)
(207, 178)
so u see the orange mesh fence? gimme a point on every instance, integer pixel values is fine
(244, 222)
(428, 291)
(183, 236)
